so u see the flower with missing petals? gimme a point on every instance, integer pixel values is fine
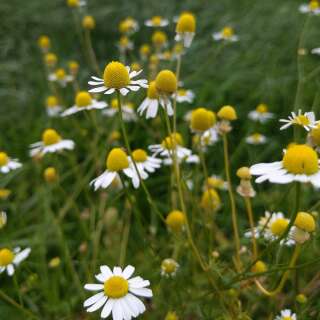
(7, 164)
(306, 120)
(9, 259)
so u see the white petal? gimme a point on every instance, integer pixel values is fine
(117, 271)
(98, 304)
(21, 256)
(98, 89)
(10, 270)
(93, 287)
(143, 292)
(90, 301)
(107, 308)
(117, 311)
(128, 271)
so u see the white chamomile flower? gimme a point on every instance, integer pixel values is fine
(312, 7)
(306, 120)
(209, 137)
(11, 259)
(183, 95)
(299, 163)
(145, 164)
(128, 26)
(185, 29)
(84, 101)
(3, 219)
(156, 22)
(216, 182)
(53, 107)
(260, 114)
(117, 161)
(226, 34)
(169, 267)
(170, 143)
(256, 139)
(150, 104)
(61, 77)
(7, 164)
(315, 51)
(286, 315)
(128, 113)
(117, 77)
(125, 44)
(118, 293)
(51, 142)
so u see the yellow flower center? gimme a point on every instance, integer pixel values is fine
(259, 267)
(52, 101)
(126, 25)
(44, 42)
(139, 155)
(301, 159)
(116, 287)
(182, 92)
(124, 41)
(305, 221)
(227, 113)
(3, 159)
(60, 74)
(6, 257)
(156, 20)
(152, 91)
(166, 82)
(178, 48)
(279, 226)
(4, 193)
(301, 120)
(171, 316)
(83, 99)
(262, 108)
(73, 3)
(73, 66)
(115, 135)
(314, 5)
(116, 75)
(170, 142)
(186, 23)
(315, 135)
(256, 137)
(50, 136)
(135, 66)
(50, 174)
(117, 160)
(88, 22)
(227, 32)
(210, 200)
(287, 318)
(202, 119)
(214, 183)
(169, 266)
(175, 220)
(114, 103)
(51, 59)
(159, 38)
(145, 50)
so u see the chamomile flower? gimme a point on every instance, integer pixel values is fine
(169, 267)
(145, 51)
(117, 76)
(118, 293)
(76, 3)
(256, 139)
(51, 142)
(312, 7)
(168, 144)
(145, 164)
(159, 40)
(156, 22)
(128, 113)
(202, 120)
(216, 182)
(125, 44)
(7, 164)
(184, 95)
(226, 34)
(185, 29)
(9, 259)
(260, 114)
(53, 107)
(299, 163)
(60, 76)
(128, 26)
(117, 161)
(306, 120)
(44, 43)
(151, 103)
(84, 101)
(286, 315)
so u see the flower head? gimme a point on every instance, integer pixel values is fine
(176, 221)
(210, 200)
(202, 119)
(7, 164)
(169, 267)
(256, 139)
(306, 120)
(227, 113)
(50, 174)
(50, 59)
(159, 39)
(156, 22)
(186, 28)
(166, 82)
(88, 23)
(9, 259)
(226, 34)
(128, 26)
(312, 7)
(286, 315)
(44, 43)
(53, 107)
(3, 219)
(261, 113)
(118, 293)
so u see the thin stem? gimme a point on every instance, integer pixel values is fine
(284, 276)
(91, 53)
(232, 201)
(251, 223)
(175, 95)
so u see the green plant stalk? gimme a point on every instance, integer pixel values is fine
(251, 223)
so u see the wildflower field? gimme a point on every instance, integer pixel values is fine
(160, 160)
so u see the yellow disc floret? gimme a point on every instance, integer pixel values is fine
(116, 75)
(169, 266)
(262, 108)
(301, 120)
(279, 226)
(170, 142)
(50, 59)
(202, 119)
(88, 23)
(227, 113)
(4, 193)
(73, 67)
(176, 220)
(145, 50)
(166, 82)
(73, 3)
(301, 159)
(210, 200)
(152, 91)
(50, 136)
(4, 159)
(117, 160)
(159, 38)
(139, 155)
(244, 173)
(60, 73)
(156, 21)
(116, 287)
(6, 257)
(305, 222)
(227, 32)
(83, 99)
(314, 5)
(259, 267)
(50, 174)
(171, 316)
(52, 101)
(44, 42)
(315, 135)
(186, 23)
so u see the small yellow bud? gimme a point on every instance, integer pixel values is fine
(51, 59)
(159, 38)
(186, 23)
(259, 267)
(227, 113)
(44, 42)
(88, 23)
(210, 200)
(166, 82)
(301, 298)
(176, 221)
(305, 222)
(202, 119)
(73, 3)
(50, 174)
(54, 262)
(244, 173)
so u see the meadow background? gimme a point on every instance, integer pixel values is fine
(262, 67)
